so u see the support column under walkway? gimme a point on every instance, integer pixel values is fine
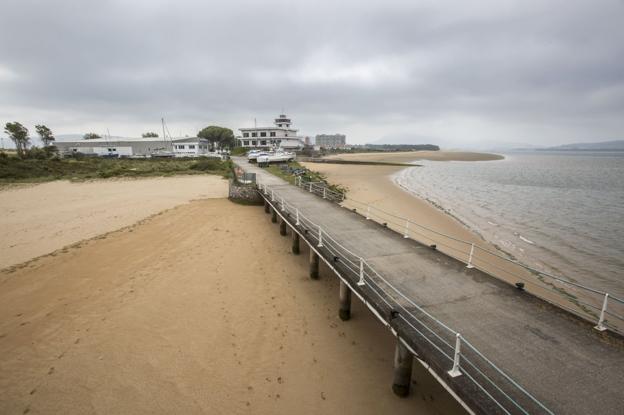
(403, 360)
(345, 302)
(295, 243)
(314, 264)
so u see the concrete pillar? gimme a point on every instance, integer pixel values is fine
(273, 215)
(314, 264)
(267, 207)
(402, 370)
(283, 227)
(345, 302)
(295, 243)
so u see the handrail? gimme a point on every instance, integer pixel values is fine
(370, 277)
(404, 226)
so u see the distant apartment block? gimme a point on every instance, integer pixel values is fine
(331, 140)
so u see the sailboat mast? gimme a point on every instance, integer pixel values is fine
(162, 120)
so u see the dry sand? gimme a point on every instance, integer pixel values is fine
(38, 219)
(199, 309)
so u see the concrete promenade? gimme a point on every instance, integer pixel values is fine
(556, 357)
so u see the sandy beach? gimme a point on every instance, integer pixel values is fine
(41, 218)
(198, 309)
(373, 185)
(409, 156)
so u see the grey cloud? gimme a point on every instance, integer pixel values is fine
(454, 71)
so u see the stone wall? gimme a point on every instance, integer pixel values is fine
(244, 193)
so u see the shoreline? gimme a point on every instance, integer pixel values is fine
(369, 185)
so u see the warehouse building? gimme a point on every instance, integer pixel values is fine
(136, 147)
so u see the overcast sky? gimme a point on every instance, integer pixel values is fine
(458, 73)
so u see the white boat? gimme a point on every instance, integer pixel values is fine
(277, 157)
(253, 154)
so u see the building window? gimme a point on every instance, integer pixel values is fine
(253, 142)
(279, 125)
(245, 134)
(254, 134)
(191, 147)
(263, 143)
(272, 134)
(286, 135)
(245, 142)
(263, 134)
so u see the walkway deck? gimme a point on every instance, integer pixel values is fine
(556, 357)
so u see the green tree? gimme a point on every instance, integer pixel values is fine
(91, 136)
(45, 133)
(218, 136)
(149, 134)
(19, 134)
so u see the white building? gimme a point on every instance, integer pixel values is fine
(280, 135)
(190, 147)
(136, 147)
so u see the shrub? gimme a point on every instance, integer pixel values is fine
(207, 165)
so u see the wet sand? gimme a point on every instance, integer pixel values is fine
(38, 219)
(198, 309)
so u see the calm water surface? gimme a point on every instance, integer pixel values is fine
(561, 212)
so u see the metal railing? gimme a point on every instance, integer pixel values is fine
(463, 358)
(586, 302)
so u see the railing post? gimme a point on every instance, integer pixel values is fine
(406, 234)
(361, 281)
(272, 195)
(368, 212)
(454, 372)
(283, 208)
(320, 238)
(297, 217)
(600, 326)
(470, 257)
(310, 187)
(324, 192)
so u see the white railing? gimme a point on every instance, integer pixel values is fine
(463, 358)
(586, 302)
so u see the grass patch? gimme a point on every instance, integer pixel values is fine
(286, 171)
(15, 170)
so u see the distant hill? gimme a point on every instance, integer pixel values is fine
(601, 146)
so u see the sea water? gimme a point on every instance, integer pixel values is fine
(560, 212)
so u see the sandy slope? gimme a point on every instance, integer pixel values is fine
(200, 309)
(38, 219)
